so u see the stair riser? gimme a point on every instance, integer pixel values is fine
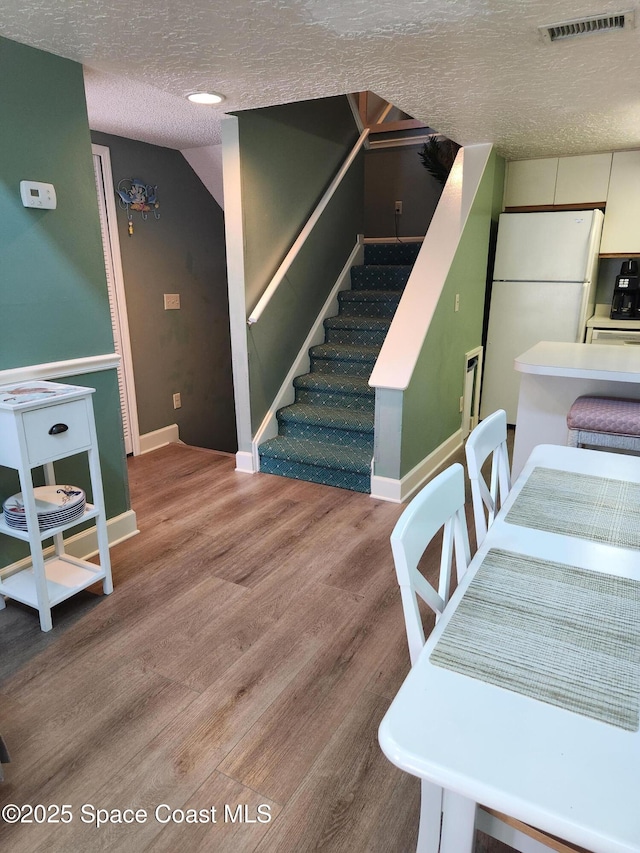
(379, 278)
(344, 368)
(315, 474)
(359, 337)
(400, 253)
(343, 437)
(368, 308)
(324, 398)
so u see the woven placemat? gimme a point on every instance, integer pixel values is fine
(579, 505)
(556, 633)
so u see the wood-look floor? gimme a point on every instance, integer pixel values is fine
(253, 642)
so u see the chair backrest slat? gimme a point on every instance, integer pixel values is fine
(440, 504)
(489, 437)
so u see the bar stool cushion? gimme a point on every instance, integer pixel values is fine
(611, 415)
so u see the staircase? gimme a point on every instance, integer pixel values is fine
(326, 436)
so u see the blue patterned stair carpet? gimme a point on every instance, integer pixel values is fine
(326, 436)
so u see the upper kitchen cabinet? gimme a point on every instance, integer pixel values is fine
(553, 181)
(621, 232)
(530, 182)
(583, 179)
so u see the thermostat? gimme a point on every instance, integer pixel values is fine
(37, 194)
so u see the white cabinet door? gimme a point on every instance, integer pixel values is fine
(583, 179)
(530, 182)
(621, 233)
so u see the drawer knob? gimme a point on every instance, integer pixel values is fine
(56, 429)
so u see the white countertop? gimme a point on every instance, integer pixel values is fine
(581, 361)
(602, 320)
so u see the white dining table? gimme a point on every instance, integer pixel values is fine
(567, 774)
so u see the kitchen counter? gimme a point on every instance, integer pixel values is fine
(602, 320)
(553, 375)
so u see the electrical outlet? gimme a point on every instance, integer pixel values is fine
(171, 301)
(177, 401)
(398, 208)
(457, 303)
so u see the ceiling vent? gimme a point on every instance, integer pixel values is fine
(586, 26)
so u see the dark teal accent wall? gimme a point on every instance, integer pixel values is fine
(188, 350)
(288, 157)
(431, 403)
(275, 340)
(53, 296)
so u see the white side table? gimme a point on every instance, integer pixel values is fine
(41, 422)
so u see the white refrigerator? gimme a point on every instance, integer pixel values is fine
(543, 289)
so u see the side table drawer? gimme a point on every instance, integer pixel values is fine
(42, 445)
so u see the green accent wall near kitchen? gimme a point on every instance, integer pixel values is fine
(53, 296)
(186, 351)
(431, 404)
(288, 156)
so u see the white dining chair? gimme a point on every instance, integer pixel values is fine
(440, 504)
(489, 437)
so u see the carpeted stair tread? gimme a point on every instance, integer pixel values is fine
(334, 382)
(336, 417)
(345, 352)
(320, 454)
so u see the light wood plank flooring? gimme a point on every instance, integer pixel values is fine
(253, 642)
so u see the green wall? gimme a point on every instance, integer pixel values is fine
(431, 403)
(189, 350)
(53, 297)
(288, 157)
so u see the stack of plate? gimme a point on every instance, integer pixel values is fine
(55, 505)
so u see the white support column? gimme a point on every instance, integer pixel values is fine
(236, 280)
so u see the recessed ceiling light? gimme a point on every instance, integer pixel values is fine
(205, 97)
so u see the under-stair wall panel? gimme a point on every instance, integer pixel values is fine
(420, 371)
(275, 340)
(431, 408)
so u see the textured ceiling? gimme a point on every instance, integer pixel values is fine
(476, 70)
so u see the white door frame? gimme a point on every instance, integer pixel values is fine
(117, 299)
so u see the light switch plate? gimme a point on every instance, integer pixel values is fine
(171, 301)
(37, 194)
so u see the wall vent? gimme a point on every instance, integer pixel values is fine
(586, 26)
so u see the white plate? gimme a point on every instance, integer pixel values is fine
(50, 502)
(20, 523)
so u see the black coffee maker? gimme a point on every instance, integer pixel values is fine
(626, 293)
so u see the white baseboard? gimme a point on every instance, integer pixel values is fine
(245, 462)
(159, 438)
(397, 491)
(85, 544)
